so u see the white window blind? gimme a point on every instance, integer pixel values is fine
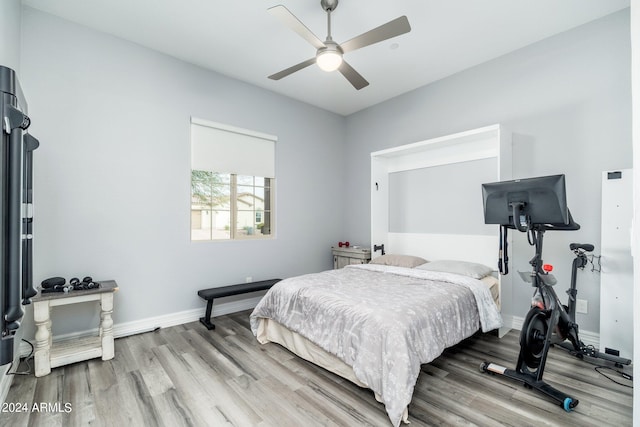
(225, 149)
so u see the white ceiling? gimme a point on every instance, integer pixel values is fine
(240, 39)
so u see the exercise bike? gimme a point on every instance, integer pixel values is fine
(534, 206)
(540, 324)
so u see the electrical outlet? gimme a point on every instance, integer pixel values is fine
(582, 306)
(612, 351)
(248, 279)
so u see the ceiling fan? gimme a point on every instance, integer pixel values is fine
(329, 53)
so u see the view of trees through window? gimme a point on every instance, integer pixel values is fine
(230, 206)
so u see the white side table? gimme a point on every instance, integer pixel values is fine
(49, 355)
(351, 255)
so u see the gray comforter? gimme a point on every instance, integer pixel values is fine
(382, 321)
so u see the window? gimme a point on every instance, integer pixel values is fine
(232, 183)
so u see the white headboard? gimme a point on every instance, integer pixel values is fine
(483, 143)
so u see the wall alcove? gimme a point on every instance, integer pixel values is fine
(426, 198)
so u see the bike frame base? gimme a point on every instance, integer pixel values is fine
(618, 361)
(529, 380)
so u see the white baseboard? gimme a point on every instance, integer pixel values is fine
(181, 317)
(167, 320)
(587, 337)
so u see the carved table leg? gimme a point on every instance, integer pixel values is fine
(106, 326)
(43, 338)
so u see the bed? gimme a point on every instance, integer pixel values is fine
(375, 324)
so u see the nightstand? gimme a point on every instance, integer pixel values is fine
(351, 255)
(48, 354)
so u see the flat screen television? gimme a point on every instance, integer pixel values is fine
(540, 200)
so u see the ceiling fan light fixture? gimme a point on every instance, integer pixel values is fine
(329, 58)
(329, 53)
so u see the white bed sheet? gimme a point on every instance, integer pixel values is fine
(378, 292)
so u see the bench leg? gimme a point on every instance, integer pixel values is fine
(206, 320)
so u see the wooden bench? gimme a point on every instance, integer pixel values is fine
(226, 291)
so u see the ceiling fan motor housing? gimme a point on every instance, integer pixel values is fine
(328, 5)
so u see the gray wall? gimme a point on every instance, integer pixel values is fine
(10, 23)
(113, 168)
(453, 206)
(567, 101)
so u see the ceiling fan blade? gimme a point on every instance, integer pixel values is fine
(291, 70)
(386, 31)
(353, 76)
(290, 20)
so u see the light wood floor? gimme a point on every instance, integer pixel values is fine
(189, 376)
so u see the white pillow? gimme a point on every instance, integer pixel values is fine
(465, 268)
(407, 261)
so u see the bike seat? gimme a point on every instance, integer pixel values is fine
(584, 246)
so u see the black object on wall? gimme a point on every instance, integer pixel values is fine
(16, 211)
